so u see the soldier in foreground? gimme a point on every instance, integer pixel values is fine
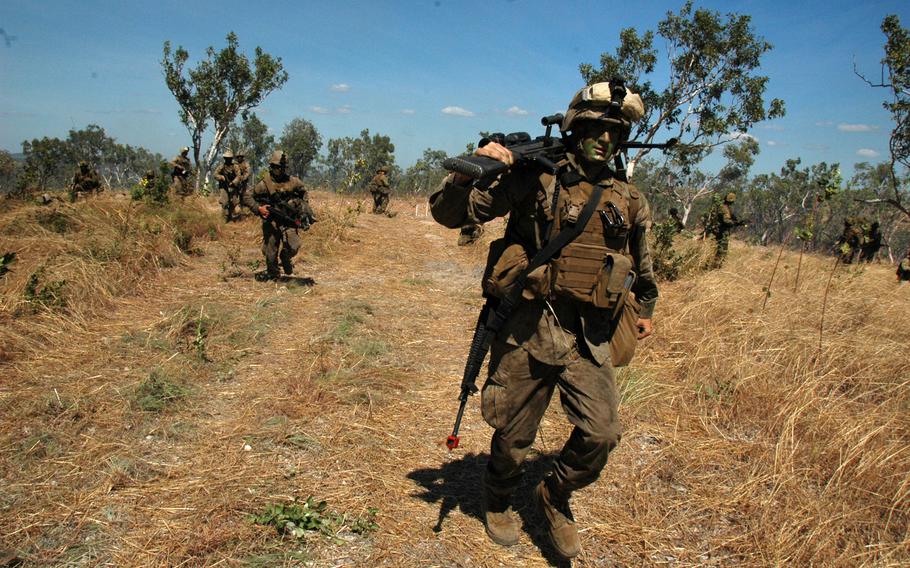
(86, 181)
(226, 176)
(281, 201)
(903, 269)
(380, 190)
(180, 173)
(558, 336)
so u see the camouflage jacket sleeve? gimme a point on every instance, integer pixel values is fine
(645, 287)
(260, 191)
(455, 206)
(219, 173)
(727, 218)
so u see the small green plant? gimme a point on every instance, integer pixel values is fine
(5, 260)
(298, 519)
(666, 261)
(49, 295)
(157, 392)
(153, 190)
(353, 313)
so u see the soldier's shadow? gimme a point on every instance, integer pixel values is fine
(459, 484)
(297, 281)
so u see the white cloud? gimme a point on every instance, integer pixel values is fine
(824, 123)
(340, 88)
(771, 143)
(407, 111)
(344, 109)
(515, 111)
(319, 110)
(457, 111)
(856, 127)
(740, 136)
(867, 153)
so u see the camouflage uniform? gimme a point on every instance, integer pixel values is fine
(555, 342)
(872, 241)
(470, 234)
(850, 240)
(278, 241)
(243, 175)
(903, 269)
(380, 190)
(723, 221)
(228, 194)
(85, 181)
(678, 225)
(181, 169)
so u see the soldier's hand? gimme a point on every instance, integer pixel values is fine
(264, 211)
(644, 327)
(496, 151)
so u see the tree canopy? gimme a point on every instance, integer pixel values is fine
(301, 141)
(220, 88)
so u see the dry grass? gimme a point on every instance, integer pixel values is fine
(156, 423)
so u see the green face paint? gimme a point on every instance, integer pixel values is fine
(596, 141)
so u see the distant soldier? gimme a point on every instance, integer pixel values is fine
(149, 180)
(470, 234)
(903, 269)
(243, 172)
(722, 222)
(850, 240)
(677, 222)
(85, 181)
(228, 195)
(872, 241)
(379, 188)
(180, 173)
(281, 201)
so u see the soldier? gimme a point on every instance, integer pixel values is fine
(228, 195)
(85, 181)
(286, 194)
(379, 188)
(243, 173)
(872, 241)
(903, 269)
(470, 234)
(850, 240)
(561, 337)
(180, 173)
(722, 222)
(678, 225)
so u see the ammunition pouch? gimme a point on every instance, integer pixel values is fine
(591, 274)
(505, 264)
(625, 334)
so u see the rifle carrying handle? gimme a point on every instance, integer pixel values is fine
(475, 167)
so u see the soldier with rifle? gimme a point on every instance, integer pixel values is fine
(281, 201)
(227, 175)
(380, 190)
(557, 285)
(180, 173)
(85, 181)
(721, 222)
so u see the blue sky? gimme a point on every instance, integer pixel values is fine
(404, 69)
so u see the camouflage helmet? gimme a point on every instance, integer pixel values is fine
(605, 102)
(228, 155)
(185, 149)
(279, 158)
(383, 169)
(83, 164)
(730, 197)
(240, 154)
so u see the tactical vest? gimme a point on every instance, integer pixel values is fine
(596, 267)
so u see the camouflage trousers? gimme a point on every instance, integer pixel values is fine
(278, 243)
(514, 399)
(229, 198)
(180, 187)
(380, 202)
(723, 245)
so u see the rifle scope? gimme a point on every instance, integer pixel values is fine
(552, 119)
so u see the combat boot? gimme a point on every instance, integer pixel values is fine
(288, 265)
(560, 523)
(499, 519)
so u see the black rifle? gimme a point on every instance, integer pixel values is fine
(283, 214)
(544, 151)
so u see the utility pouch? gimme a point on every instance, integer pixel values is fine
(625, 336)
(505, 263)
(576, 271)
(611, 286)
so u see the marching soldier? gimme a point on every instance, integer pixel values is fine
(379, 188)
(180, 173)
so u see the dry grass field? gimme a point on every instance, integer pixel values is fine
(159, 407)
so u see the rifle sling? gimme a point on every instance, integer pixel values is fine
(553, 246)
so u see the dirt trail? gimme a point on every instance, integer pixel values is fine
(344, 390)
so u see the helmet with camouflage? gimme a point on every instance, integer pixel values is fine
(228, 155)
(608, 102)
(383, 169)
(730, 197)
(279, 158)
(240, 154)
(185, 150)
